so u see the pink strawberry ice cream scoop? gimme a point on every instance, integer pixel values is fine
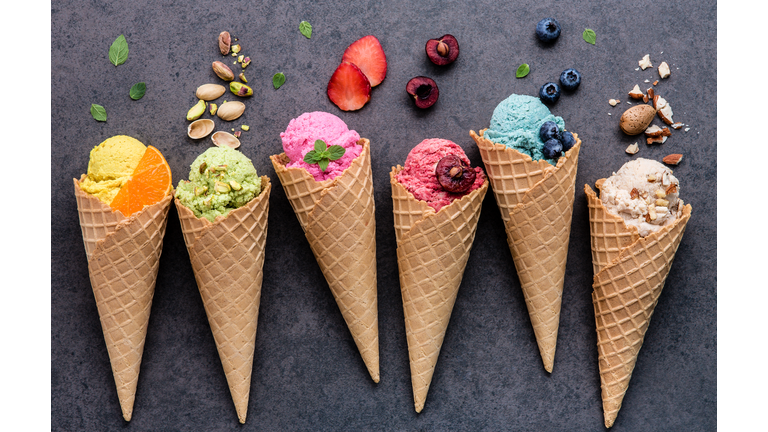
(438, 171)
(301, 134)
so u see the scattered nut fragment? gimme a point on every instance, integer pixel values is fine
(246, 61)
(655, 82)
(663, 109)
(672, 159)
(235, 48)
(662, 203)
(677, 125)
(240, 58)
(656, 140)
(671, 189)
(651, 94)
(664, 70)
(212, 107)
(655, 132)
(635, 93)
(224, 40)
(209, 92)
(613, 102)
(634, 194)
(223, 71)
(237, 134)
(242, 77)
(645, 62)
(651, 178)
(660, 193)
(652, 213)
(632, 149)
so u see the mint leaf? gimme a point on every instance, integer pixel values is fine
(336, 152)
(118, 52)
(589, 36)
(306, 29)
(98, 112)
(523, 70)
(323, 164)
(278, 80)
(138, 90)
(320, 146)
(312, 157)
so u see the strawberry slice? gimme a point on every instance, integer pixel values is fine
(348, 88)
(367, 54)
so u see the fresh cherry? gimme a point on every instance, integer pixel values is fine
(454, 175)
(424, 91)
(443, 51)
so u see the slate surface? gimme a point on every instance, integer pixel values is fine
(307, 372)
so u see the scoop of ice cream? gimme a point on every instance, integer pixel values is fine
(302, 132)
(419, 177)
(220, 180)
(111, 165)
(516, 122)
(644, 193)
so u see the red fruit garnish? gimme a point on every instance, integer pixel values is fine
(348, 88)
(367, 54)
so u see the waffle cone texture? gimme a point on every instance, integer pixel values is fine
(123, 258)
(432, 253)
(536, 204)
(337, 216)
(227, 257)
(630, 272)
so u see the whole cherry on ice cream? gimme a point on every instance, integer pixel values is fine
(349, 88)
(454, 175)
(424, 91)
(443, 51)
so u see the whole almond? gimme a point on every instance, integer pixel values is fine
(209, 92)
(223, 71)
(230, 110)
(636, 119)
(224, 41)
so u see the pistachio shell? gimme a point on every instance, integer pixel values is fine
(225, 139)
(209, 92)
(200, 128)
(230, 111)
(636, 119)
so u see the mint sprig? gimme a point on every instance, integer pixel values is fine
(322, 155)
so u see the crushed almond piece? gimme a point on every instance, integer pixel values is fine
(655, 82)
(662, 203)
(645, 62)
(671, 189)
(613, 102)
(655, 140)
(635, 93)
(632, 149)
(634, 193)
(651, 178)
(677, 125)
(645, 98)
(653, 131)
(664, 70)
(660, 193)
(651, 94)
(672, 159)
(652, 213)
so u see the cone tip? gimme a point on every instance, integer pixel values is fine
(127, 415)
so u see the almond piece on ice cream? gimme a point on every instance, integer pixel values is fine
(664, 70)
(635, 93)
(645, 62)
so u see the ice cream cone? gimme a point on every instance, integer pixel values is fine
(123, 258)
(227, 258)
(631, 274)
(337, 217)
(536, 203)
(432, 252)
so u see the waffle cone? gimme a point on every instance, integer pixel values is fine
(432, 253)
(337, 217)
(536, 203)
(227, 258)
(625, 292)
(123, 259)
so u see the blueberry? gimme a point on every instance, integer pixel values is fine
(568, 140)
(552, 148)
(549, 130)
(570, 79)
(549, 93)
(547, 30)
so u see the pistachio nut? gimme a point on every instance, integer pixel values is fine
(201, 191)
(238, 133)
(203, 166)
(225, 139)
(209, 92)
(200, 128)
(224, 41)
(246, 61)
(212, 107)
(240, 58)
(230, 110)
(245, 127)
(242, 77)
(235, 185)
(221, 187)
(196, 111)
(240, 89)
(235, 48)
(222, 71)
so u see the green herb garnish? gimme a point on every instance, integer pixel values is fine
(138, 90)
(278, 79)
(306, 29)
(98, 112)
(118, 52)
(523, 70)
(589, 36)
(321, 155)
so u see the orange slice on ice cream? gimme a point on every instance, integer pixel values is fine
(150, 183)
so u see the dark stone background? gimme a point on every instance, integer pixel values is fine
(307, 372)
